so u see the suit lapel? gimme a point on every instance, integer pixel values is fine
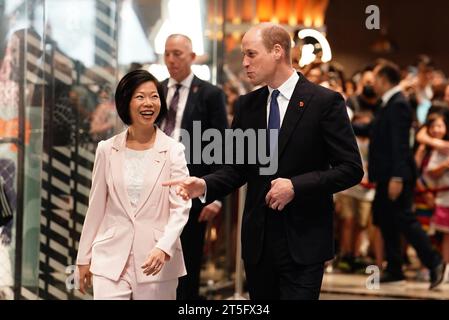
(117, 159)
(164, 85)
(260, 116)
(191, 101)
(296, 107)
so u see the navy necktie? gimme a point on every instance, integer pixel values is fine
(274, 120)
(171, 114)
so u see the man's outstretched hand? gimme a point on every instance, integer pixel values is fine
(188, 188)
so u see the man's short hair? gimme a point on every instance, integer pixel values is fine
(275, 34)
(175, 35)
(390, 71)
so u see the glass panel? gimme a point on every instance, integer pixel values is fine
(9, 115)
(20, 122)
(80, 59)
(34, 88)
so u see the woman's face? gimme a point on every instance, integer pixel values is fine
(438, 128)
(145, 105)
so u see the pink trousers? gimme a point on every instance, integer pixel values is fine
(127, 288)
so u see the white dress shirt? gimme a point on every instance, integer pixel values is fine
(389, 94)
(285, 93)
(183, 95)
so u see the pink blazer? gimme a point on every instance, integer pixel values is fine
(112, 229)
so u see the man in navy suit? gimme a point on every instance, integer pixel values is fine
(191, 99)
(392, 168)
(287, 228)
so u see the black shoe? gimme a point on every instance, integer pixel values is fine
(344, 264)
(437, 276)
(359, 265)
(388, 277)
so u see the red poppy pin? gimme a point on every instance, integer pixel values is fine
(301, 104)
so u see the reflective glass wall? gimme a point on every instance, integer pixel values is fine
(59, 64)
(81, 72)
(21, 132)
(59, 68)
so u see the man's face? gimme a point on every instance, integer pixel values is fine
(315, 75)
(380, 83)
(178, 57)
(259, 63)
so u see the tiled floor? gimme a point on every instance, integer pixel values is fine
(343, 296)
(349, 287)
(337, 286)
(356, 284)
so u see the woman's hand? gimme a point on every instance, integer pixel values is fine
(155, 261)
(395, 189)
(85, 277)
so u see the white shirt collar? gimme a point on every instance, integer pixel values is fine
(389, 94)
(187, 82)
(286, 89)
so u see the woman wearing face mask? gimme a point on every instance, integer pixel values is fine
(365, 101)
(130, 244)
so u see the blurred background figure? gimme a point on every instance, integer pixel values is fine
(104, 117)
(190, 99)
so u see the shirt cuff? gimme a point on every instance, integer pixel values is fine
(203, 197)
(398, 179)
(218, 203)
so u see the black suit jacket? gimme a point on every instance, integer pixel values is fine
(390, 154)
(317, 151)
(205, 103)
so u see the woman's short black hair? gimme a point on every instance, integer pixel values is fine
(125, 89)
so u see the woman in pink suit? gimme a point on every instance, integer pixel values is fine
(130, 245)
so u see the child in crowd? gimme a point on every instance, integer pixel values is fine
(424, 190)
(438, 169)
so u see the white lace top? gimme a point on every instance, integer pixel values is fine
(135, 168)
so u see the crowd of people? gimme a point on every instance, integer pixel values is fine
(359, 238)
